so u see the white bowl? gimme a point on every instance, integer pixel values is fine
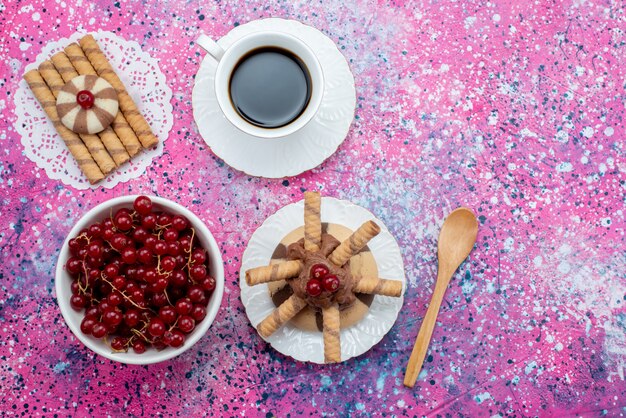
(74, 318)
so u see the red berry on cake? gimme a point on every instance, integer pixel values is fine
(330, 283)
(314, 287)
(319, 271)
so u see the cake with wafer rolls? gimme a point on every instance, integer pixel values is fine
(322, 277)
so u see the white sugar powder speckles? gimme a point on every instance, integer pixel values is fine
(564, 167)
(562, 136)
(60, 367)
(564, 267)
(15, 65)
(526, 132)
(530, 366)
(587, 132)
(380, 382)
(469, 21)
(508, 244)
(482, 397)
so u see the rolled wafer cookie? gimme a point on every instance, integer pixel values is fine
(120, 124)
(280, 316)
(52, 77)
(312, 221)
(76, 147)
(354, 243)
(92, 142)
(331, 330)
(273, 272)
(129, 109)
(108, 137)
(378, 286)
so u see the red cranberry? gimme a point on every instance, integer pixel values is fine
(140, 234)
(131, 317)
(123, 222)
(178, 278)
(160, 247)
(174, 248)
(168, 314)
(143, 205)
(99, 330)
(176, 339)
(86, 325)
(78, 302)
(156, 327)
(186, 324)
(198, 256)
(198, 312)
(149, 221)
(170, 235)
(168, 263)
(164, 219)
(314, 287)
(139, 347)
(319, 271)
(195, 293)
(118, 343)
(183, 306)
(179, 222)
(129, 255)
(330, 283)
(159, 299)
(85, 99)
(197, 273)
(74, 265)
(208, 283)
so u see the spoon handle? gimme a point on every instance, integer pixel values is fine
(422, 342)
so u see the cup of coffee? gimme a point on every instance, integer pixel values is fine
(268, 84)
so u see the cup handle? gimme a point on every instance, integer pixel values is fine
(210, 46)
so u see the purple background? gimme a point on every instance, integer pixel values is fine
(514, 109)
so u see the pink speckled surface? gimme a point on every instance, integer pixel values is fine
(512, 108)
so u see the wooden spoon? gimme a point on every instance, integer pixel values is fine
(456, 239)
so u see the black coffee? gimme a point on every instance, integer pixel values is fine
(270, 87)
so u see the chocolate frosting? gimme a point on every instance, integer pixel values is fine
(344, 295)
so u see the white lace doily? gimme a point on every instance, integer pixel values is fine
(309, 345)
(143, 80)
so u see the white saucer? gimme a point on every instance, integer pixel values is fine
(292, 155)
(309, 345)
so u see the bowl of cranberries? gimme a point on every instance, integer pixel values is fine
(139, 279)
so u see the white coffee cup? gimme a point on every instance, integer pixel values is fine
(227, 60)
